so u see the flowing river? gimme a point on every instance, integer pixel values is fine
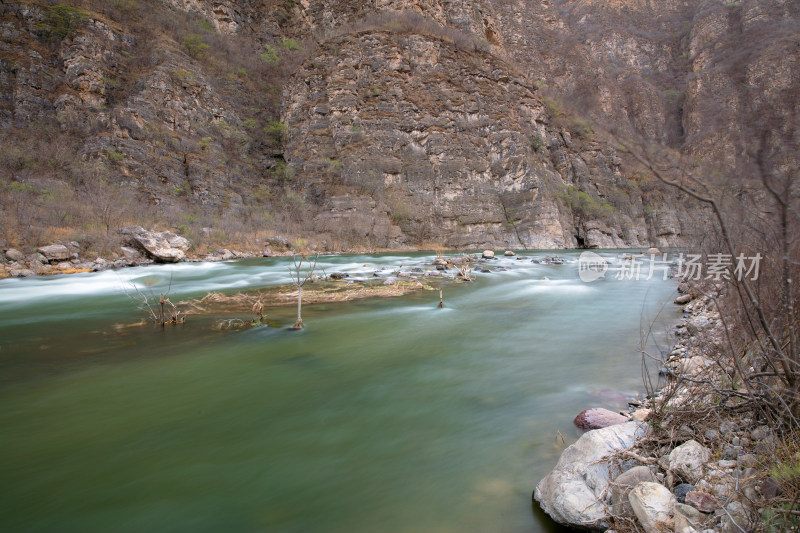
(383, 415)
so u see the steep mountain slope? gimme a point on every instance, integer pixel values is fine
(383, 123)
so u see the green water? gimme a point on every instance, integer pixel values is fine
(381, 416)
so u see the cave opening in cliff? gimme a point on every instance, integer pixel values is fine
(581, 242)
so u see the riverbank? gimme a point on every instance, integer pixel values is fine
(694, 456)
(67, 257)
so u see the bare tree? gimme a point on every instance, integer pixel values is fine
(300, 276)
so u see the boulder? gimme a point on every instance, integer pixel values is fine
(652, 504)
(702, 501)
(36, 258)
(225, 254)
(14, 255)
(130, 253)
(22, 273)
(278, 241)
(683, 299)
(687, 460)
(509, 253)
(575, 493)
(597, 418)
(652, 251)
(55, 252)
(176, 241)
(164, 246)
(622, 485)
(488, 254)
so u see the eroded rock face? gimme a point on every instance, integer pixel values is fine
(407, 137)
(451, 144)
(576, 492)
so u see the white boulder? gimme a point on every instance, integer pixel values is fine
(687, 460)
(164, 246)
(652, 504)
(576, 492)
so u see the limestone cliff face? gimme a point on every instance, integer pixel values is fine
(405, 122)
(406, 137)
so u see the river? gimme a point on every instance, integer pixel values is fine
(384, 415)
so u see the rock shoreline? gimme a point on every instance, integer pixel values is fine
(658, 473)
(146, 247)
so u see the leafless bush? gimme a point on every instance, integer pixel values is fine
(161, 311)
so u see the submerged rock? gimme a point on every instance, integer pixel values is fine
(597, 418)
(576, 492)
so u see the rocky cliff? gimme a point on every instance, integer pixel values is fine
(381, 123)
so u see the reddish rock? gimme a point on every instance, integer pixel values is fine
(597, 418)
(702, 501)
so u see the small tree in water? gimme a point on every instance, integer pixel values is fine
(299, 278)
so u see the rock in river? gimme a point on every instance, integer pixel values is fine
(597, 418)
(576, 492)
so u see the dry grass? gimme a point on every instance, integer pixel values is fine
(317, 293)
